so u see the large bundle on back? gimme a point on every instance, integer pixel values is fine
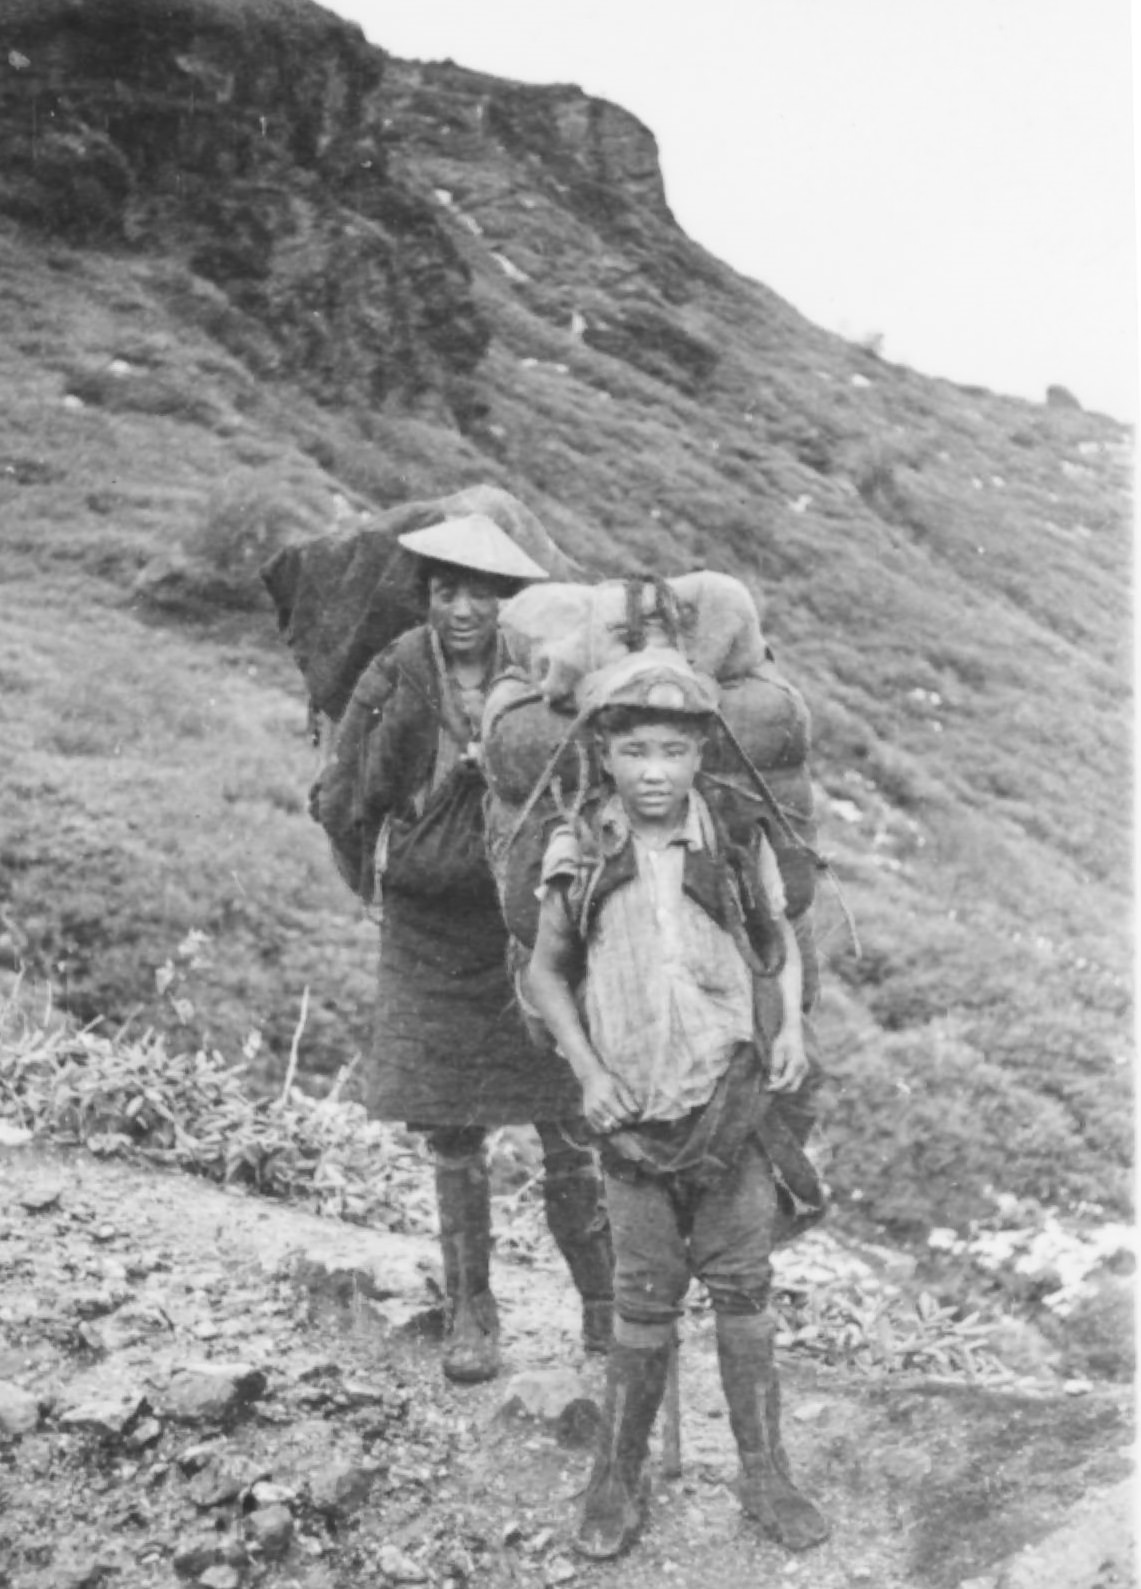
(559, 638)
(342, 598)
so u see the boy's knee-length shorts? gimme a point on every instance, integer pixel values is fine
(668, 1229)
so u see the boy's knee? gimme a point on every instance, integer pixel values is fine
(650, 1296)
(738, 1299)
(745, 1288)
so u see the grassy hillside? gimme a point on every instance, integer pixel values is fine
(944, 571)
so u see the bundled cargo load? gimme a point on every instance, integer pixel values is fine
(342, 598)
(559, 635)
(539, 754)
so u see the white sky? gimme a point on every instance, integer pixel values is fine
(956, 175)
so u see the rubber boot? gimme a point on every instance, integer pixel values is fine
(752, 1389)
(471, 1337)
(614, 1506)
(576, 1216)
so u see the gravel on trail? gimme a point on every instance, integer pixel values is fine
(202, 1386)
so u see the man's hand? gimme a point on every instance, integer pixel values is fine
(789, 1061)
(606, 1102)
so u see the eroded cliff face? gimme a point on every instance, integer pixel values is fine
(253, 140)
(248, 141)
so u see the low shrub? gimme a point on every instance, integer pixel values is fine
(142, 392)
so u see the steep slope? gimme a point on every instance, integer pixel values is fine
(258, 277)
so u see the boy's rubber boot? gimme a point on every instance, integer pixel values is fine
(576, 1216)
(614, 1506)
(471, 1336)
(752, 1389)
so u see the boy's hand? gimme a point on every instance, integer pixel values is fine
(606, 1103)
(789, 1062)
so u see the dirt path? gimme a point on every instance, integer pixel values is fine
(334, 1454)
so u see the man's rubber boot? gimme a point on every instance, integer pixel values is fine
(471, 1335)
(752, 1389)
(614, 1506)
(576, 1216)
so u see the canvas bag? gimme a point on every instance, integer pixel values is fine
(441, 852)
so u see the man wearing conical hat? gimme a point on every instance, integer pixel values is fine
(450, 1055)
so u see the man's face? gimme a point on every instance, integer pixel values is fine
(462, 609)
(653, 768)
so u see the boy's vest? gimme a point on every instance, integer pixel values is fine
(721, 881)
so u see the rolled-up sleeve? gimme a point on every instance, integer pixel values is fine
(562, 860)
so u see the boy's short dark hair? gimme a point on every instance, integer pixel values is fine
(612, 720)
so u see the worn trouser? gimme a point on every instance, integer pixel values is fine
(668, 1229)
(572, 1199)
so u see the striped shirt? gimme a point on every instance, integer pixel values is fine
(667, 995)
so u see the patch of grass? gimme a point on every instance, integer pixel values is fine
(193, 1109)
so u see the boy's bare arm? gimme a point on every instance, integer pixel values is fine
(789, 1061)
(550, 987)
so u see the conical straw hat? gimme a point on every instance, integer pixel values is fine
(474, 542)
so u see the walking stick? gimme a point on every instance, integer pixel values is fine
(671, 1415)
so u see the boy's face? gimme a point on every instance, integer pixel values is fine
(653, 767)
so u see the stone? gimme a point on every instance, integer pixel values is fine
(340, 1487)
(270, 1528)
(109, 1416)
(345, 1285)
(221, 1577)
(194, 1553)
(144, 1435)
(319, 1368)
(82, 1572)
(398, 1567)
(214, 1486)
(559, 1571)
(266, 1493)
(195, 1457)
(43, 1198)
(1058, 396)
(459, 1563)
(94, 1304)
(360, 1394)
(212, 1392)
(542, 1393)
(223, 1479)
(19, 1411)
